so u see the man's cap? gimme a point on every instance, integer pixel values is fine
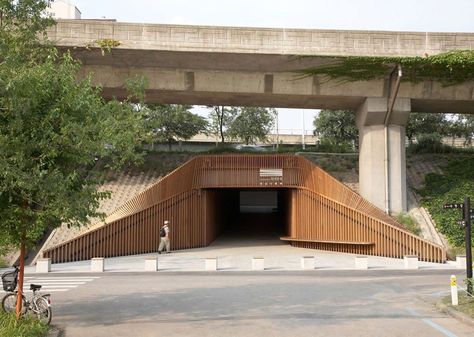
(166, 222)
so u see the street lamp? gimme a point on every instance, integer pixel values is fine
(303, 133)
(277, 130)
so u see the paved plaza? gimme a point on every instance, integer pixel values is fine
(235, 253)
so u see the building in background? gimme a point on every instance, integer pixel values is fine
(63, 9)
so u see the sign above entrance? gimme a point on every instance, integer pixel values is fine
(271, 177)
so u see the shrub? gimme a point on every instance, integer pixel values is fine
(429, 143)
(285, 148)
(409, 223)
(331, 146)
(222, 149)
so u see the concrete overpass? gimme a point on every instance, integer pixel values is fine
(258, 67)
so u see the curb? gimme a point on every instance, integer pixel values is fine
(454, 313)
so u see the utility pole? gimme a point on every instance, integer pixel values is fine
(467, 213)
(467, 221)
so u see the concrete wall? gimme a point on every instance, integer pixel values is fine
(254, 66)
(261, 40)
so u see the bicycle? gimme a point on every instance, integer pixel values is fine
(39, 304)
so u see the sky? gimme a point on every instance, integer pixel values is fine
(399, 15)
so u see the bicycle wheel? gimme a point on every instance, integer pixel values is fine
(43, 312)
(9, 303)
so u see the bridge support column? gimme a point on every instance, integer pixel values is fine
(382, 158)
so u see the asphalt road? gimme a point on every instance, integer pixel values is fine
(310, 303)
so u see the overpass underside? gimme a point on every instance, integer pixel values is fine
(245, 66)
(312, 210)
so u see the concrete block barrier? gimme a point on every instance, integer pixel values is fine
(210, 264)
(43, 265)
(410, 261)
(461, 261)
(151, 263)
(361, 262)
(258, 263)
(307, 262)
(97, 264)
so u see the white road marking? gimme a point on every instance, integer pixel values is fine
(47, 291)
(432, 324)
(62, 278)
(55, 284)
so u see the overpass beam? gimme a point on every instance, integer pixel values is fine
(381, 171)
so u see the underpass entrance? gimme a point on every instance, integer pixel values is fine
(248, 197)
(247, 215)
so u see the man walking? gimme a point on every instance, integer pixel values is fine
(164, 238)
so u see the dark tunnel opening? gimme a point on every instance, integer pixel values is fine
(250, 214)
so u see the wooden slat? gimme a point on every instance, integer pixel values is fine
(321, 212)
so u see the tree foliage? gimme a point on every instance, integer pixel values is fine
(452, 186)
(174, 122)
(221, 118)
(426, 123)
(53, 128)
(436, 126)
(337, 127)
(462, 126)
(23, 27)
(252, 124)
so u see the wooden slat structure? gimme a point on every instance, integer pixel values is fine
(320, 212)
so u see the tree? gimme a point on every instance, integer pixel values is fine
(252, 124)
(174, 122)
(53, 128)
(426, 123)
(221, 119)
(336, 127)
(468, 130)
(462, 126)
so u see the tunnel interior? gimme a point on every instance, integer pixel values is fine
(250, 214)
